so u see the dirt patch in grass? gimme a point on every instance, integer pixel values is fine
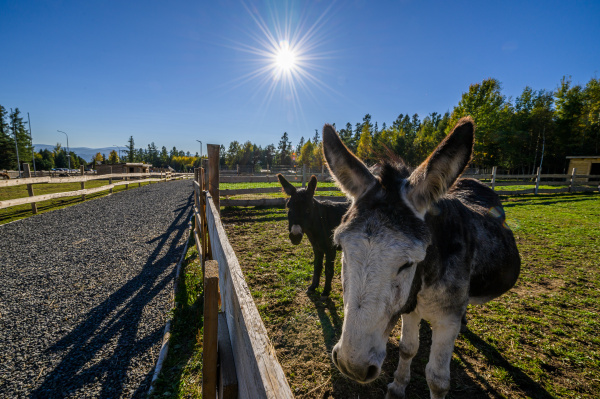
(540, 340)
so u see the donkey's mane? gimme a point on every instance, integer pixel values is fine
(392, 170)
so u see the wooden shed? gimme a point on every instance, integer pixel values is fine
(585, 165)
(123, 168)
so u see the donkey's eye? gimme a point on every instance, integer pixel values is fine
(404, 267)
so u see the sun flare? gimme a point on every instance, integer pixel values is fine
(287, 51)
(285, 59)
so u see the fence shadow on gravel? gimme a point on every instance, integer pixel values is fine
(102, 325)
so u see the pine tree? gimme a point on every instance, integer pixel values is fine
(130, 150)
(300, 145)
(284, 150)
(8, 159)
(21, 134)
(365, 144)
(113, 157)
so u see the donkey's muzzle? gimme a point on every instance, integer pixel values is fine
(295, 238)
(363, 373)
(296, 234)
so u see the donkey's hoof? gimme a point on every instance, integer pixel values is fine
(311, 289)
(394, 392)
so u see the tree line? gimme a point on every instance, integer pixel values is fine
(513, 135)
(16, 146)
(538, 127)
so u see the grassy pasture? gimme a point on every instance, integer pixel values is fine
(22, 211)
(540, 340)
(235, 186)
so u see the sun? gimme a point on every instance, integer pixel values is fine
(285, 58)
(287, 50)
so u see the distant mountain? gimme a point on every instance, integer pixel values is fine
(84, 152)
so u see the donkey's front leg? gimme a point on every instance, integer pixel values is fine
(329, 263)
(437, 371)
(408, 345)
(318, 268)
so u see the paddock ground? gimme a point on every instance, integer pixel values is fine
(540, 340)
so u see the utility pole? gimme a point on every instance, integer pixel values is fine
(543, 145)
(68, 150)
(16, 143)
(200, 163)
(32, 148)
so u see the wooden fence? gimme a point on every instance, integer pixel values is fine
(500, 183)
(248, 362)
(127, 178)
(237, 337)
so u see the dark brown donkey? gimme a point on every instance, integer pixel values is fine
(318, 220)
(416, 244)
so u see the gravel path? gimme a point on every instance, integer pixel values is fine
(85, 292)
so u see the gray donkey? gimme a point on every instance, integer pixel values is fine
(318, 219)
(416, 244)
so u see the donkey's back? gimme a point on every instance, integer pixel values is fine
(495, 263)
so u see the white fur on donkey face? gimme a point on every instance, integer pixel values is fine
(377, 274)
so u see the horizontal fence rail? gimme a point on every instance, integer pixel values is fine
(502, 184)
(259, 374)
(84, 178)
(129, 178)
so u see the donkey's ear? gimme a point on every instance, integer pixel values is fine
(287, 187)
(430, 181)
(351, 174)
(312, 185)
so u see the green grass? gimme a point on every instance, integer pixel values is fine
(541, 339)
(181, 376)
(280, 194)
(544, 332)
(23, 211)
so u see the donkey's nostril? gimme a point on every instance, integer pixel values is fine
(372, 372)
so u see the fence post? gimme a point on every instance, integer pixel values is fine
(213, 173)
(27, 173)
(211, 325)
(205, 236)
(110, 179)
(82, 171)
(537, 180)
(195, 188)
(572, 180)
(304, 175)
(494, 177)
(205, 174)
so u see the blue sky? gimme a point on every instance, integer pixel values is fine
(180, 71)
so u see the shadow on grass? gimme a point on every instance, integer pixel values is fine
(466, 382)
(529, 387)
(186, 331)
(547, 199)
(331, 323)
(254, 214)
